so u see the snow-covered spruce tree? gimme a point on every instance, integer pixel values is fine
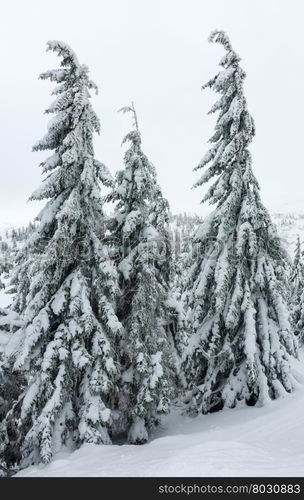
(2, 266)
(2, 270)
(241, 340)
(178, 326)
(297, 292)
(297, 270)
(65, 287)
(139, 231)
(5, 264)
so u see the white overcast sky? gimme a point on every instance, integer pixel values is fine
(156, 53)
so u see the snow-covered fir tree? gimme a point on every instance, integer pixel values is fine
(5, 262)
(11, 384)
(297, 270)
(65, 287)
(139, 230)
(297, 292)
(241, 341)
(22, 233)
(2, 270)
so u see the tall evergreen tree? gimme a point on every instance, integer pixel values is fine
(241, 339)
(65, 287)
(2, 270)
(5, 264)
(297, 270)
(297, 292)
(139, 228)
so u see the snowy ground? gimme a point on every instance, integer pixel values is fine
(265, 441)
(5, 299)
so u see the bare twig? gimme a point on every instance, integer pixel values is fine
(127, 109)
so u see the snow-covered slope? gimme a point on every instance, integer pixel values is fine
(252, 441)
